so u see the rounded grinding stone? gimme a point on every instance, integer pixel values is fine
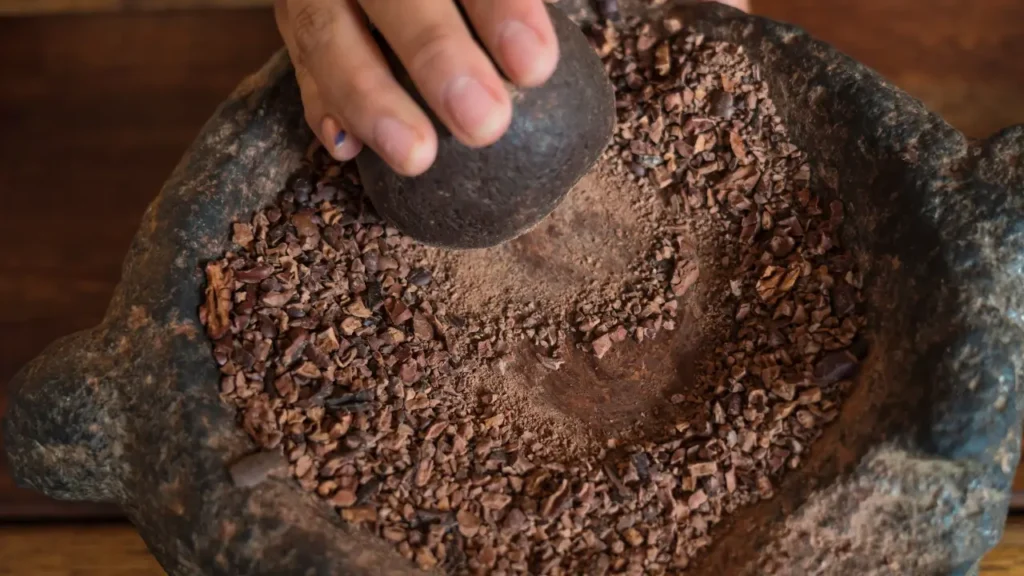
(476, 198)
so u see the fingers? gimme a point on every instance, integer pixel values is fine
(346, 81)
(451, 71)
(519, 35)
(351, 97)
(341, 144)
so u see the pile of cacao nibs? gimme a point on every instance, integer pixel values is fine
(336, 342)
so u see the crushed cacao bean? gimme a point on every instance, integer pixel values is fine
(349, 350)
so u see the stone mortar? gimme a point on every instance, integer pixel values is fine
(912, 478)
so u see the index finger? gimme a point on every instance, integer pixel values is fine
(519, 35)
(355, 83)
(450, 69)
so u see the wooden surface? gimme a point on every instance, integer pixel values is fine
(116, 550)
(1007, 559)
(96, 110)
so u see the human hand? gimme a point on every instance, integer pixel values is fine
(351, 97)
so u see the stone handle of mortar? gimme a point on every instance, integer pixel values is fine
(129, 412)
(976, 407)
(937, 487)
(64, 431)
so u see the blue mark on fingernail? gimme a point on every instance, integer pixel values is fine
(339, 139)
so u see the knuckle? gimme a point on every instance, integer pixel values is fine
(365, 82)
(431, 47)
(311, 26)
(310, 95)
(313, 121)
(304, 78)
(310, 99)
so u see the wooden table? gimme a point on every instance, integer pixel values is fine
(115, 550)
(97, 109)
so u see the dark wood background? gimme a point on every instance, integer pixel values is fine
(96, 109)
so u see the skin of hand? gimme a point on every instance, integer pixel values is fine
(351, 98)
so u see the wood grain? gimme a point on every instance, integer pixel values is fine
(1007, 559)
(113, 550)
(117, 550)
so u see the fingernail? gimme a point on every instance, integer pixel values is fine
(475, 109)
(400, 147)
(526, 58)
(346, 147)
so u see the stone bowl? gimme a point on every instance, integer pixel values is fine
(912, 478)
